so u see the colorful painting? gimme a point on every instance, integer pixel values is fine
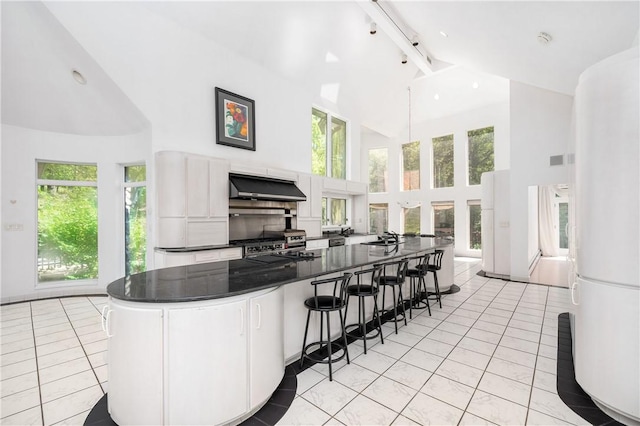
(235, 120)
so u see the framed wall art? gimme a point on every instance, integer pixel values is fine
(235, 120)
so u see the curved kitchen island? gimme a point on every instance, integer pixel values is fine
(208, 343)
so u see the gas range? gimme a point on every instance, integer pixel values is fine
(276, 242)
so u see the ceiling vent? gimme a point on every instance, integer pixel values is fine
(556, 160)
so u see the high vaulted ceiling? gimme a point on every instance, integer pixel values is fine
(325, 46)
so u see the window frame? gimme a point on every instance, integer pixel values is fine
(125, 185)
(433, 161)
(402, 170)
(327, 201)
(385, 181)
(39, 285)
(403, 213)
(387, 215)
(473, 203)
(329, 143)
(468, 156)
(433, 216)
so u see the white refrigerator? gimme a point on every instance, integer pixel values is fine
(496, 235)
(605, 289)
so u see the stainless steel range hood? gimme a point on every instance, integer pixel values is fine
(246, 187)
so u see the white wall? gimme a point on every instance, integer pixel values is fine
(170, 73)
(20, 149)
(458, 125)
(541, 123)
(533, 230)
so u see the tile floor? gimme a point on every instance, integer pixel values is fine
(551, 271)
(487, 357)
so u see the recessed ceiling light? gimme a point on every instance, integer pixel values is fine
(544, 38)
(475, 85)
(443, 34)
(77, 76)
(436, 97)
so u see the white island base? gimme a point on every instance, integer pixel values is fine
(204, 362)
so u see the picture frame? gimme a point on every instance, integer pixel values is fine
(235, 120)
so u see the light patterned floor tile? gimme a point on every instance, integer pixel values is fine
(550, 403)
(445, 337)
(469, 419)
(307, 379)
(479, 346)
(408, 375)
(17, 369)
(505, 388)
(467, 357)
(32, 416)
(390, 393)
(403, 421)
(71, 405)
(422, 359)
(98, 359)
(391, 349)
(18, 384)
(536, 418)
(548, 365)
(355, 377)
(68, 385)
(364, 411)
(58, 346)
(19, 401)
(449, 391)
(375, 361)
(302, 412)
(60, 357)
(430, 411)
(404, 338)
(330, 396)
(434, 347)
(76, 420)
(497, 410)
(459, 372)
(417, 329)
(519, 357)
(545, 381)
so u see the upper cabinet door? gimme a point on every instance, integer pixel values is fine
(197, 187)
(171, 178)
(219, 188)
(304, 207)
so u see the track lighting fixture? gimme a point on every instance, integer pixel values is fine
(373, 29)
(414, 41)
(404, 58)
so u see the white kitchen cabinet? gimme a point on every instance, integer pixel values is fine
(207, 349)
(192, 194)
(334, 185)
(311, 186)
(356, 188)
(219, 188)
(317, 244)
(266, 348)
(282, 174)
(359, 239)
(171, 181)
(135, 351)
(197, 189)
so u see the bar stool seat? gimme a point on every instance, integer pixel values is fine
(397, 280)
(418, 286)
(324, 350)
(362, 290)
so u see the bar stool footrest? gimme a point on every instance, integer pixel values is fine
(321, 355)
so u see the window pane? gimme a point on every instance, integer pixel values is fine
(72, 172)
(475, 227)
(135, 225)
(378, 170)
(480, 153)
(338, 211)
(135, 174)
(67, 232)
(338, 148)
(563, 211)
(378, 218)
(411, 218)
(443, 161)
(411, 166)
(318, 142)
(443, 220)
(325, 218)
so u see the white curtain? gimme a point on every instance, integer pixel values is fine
(547, 233)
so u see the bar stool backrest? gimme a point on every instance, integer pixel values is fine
(422, 262)
(339, 294)
(437, 259)
(372, 285)
(401, 269)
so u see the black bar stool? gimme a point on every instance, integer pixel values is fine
(434, 267)
(418, 286)
(363, 289)
(393, 280)
(325, 304)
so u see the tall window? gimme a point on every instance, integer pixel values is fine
(443, 161)
(135, 219)
(378, 218)
(480, 153)
(378, 170)
(67, 222)
(411, 220)
(334, 211)
(411, 166)
(328, 145)
(475, 225)
(443, 224)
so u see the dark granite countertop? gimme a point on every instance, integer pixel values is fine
(235, 277)
(193, 249)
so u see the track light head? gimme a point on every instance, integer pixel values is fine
(414, 41)
(373, 28)
(404, 58)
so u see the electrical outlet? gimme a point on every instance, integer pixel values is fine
(14, 227)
